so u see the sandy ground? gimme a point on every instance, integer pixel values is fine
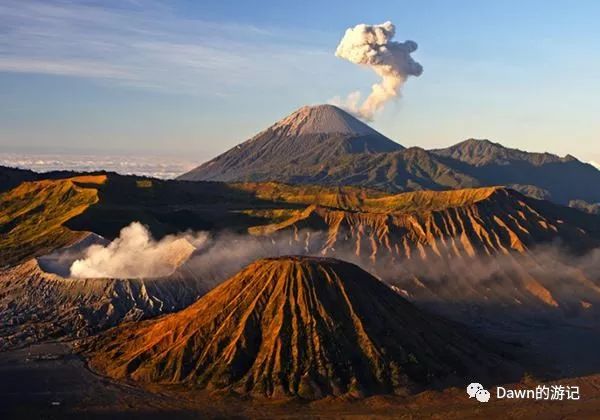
(49, 381)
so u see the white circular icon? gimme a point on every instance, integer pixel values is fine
(473, 388)
(482, 395)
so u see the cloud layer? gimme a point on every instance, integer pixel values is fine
(164, 167)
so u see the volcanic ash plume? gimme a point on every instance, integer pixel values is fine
(372, 46)
(135, 254)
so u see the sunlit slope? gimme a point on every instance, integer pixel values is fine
(39, 216)
(32, 215)
(12, 177)
(365, 200)
(461, 222)
(296, 326)
(463, 250)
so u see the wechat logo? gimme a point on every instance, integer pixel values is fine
(478, 392)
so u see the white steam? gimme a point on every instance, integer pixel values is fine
(135, 254)
(547, 279)
(372, 46)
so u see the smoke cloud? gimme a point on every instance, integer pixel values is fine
(226, 253)
(547, 278)
(135, 254)
(372, 46)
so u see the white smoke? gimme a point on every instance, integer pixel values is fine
(372, 46)
(135, 254)
(440, 280)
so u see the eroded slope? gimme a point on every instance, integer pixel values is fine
(297, 326)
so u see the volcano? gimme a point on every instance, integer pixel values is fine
(324, 145)
(309, 136)
(296, 326)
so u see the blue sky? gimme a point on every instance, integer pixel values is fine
(193, 78)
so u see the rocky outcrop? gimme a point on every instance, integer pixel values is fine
(36, 305)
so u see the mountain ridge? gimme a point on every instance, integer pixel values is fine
(546, 175)
(483, 151)
(329, 147)
(11, 177)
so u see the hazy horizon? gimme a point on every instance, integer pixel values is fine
(126, 162)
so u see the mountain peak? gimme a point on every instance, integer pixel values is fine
(322, 119)
(342, 331)
(485, 152)
(483, 143)
(310, 137)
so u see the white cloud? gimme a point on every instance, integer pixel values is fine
(66, 68)
(144, 45)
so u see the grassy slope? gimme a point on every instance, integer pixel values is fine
(32, 215)
(12, 177)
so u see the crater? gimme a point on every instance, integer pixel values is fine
(59, 262)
